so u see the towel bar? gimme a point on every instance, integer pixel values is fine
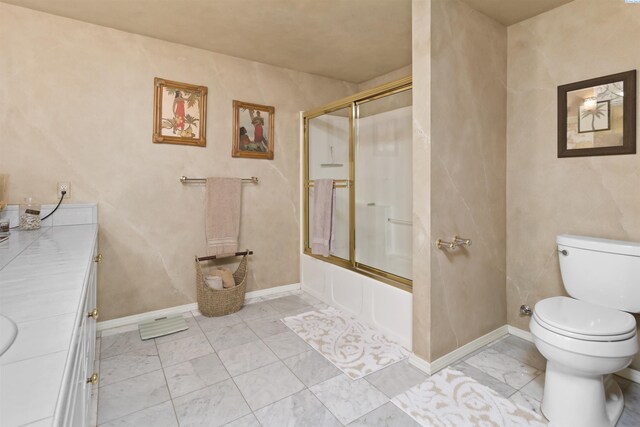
(185, 180)
(337, 183)
(210, 257)
(456, 242)
(399, 221)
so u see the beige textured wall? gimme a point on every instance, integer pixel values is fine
(385, 78)
(421, 70)
(547, 196)
(77, 105)
(468, 173)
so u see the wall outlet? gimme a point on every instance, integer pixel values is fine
(64, 186)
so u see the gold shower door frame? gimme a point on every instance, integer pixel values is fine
(352, 103)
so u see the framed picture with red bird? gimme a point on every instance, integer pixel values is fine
(252, 130)
(179, 113)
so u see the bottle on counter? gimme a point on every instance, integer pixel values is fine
(29, 214)
(4, 227)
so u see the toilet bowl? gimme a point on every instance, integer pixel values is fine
(590, 336)
(576, 392)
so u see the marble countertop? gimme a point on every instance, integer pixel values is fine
(42, 273)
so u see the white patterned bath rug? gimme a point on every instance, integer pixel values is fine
(451, 399)
(353, 347)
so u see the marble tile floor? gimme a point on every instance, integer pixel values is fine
(247, 369)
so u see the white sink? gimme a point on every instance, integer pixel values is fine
(8, 332)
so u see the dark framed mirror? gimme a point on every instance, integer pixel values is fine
(597, 117)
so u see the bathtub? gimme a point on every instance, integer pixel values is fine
(378, 304)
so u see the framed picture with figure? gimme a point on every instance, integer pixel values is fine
(179, 113)
(252, 130)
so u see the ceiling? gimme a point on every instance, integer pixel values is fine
(350, 40)
(508, 12)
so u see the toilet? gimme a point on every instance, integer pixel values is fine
(591, 335)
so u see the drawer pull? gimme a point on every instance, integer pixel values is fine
(98, 258)
(93, 379)
(93, 314)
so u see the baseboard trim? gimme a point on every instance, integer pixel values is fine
(271, 291)
(420, 363)
(136, 318)
(457, 354)
(520, 333)
(628, 373)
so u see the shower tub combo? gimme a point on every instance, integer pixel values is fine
(363, 143)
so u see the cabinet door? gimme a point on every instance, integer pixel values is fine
(90, 340)
(80, 386)
(73, 413)
(74, 403)
(83, 370)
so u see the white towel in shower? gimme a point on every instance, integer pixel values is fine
(324, 202)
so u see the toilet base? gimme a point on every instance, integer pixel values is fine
(575, 399)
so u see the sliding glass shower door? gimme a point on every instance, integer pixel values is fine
(329, 158)
(364, 144)
(383, 187)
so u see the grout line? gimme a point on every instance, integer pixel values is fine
(526, 394)
(242, 395)
(138, 350)
(154, 355)
(197, 335)
(201, 388)
(193, 326)
(36, 421)
(132, 377)
(132, 413)
(517, 390)
(330, 411)
(309, 387)
(280, 360)
(379, 391)
(285, 397)
(139, 410)
(231, 378)
(166, 384)
(227, 327)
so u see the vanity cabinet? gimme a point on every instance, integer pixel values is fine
(75, 402)
(48, 290)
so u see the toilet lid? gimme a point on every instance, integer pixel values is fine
(585, 320)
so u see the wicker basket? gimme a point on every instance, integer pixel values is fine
(213, 302)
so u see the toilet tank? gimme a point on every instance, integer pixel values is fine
(600, 271)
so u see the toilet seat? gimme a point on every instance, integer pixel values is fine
(582, 320)
(587, 347)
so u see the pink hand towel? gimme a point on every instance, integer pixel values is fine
(324, 201)
(222, 215)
